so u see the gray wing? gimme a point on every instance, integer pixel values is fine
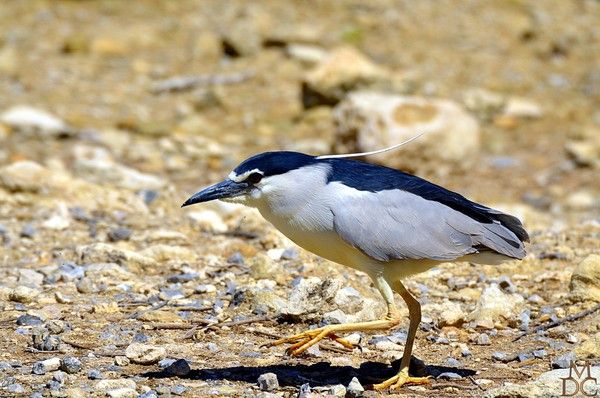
(396, 224)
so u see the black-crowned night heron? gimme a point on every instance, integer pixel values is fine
(375, 219)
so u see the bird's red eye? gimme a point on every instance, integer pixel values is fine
(254, 178)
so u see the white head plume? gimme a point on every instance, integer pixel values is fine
(353, 155)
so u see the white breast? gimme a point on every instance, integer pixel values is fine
(299, 205)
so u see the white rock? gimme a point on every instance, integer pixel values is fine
(60, 220)
(495, 306)
(585, 281)
(268, 382)
(145, 354)
(306, 53)
(122, 393)
(23, 294)
(372, 121)
(354, 389)
(30, 278)
(25, 175)
(448, 313)
(337, 391)
(309, 295)
(348, 300)
(335, 317)
(353, 338)
(484, 103)
(113, 384)
(275, 254)
(95, 164)
(208, 220)
(523, 108)
(583, 200)
(32, 120)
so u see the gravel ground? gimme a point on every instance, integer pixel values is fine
(113, 113)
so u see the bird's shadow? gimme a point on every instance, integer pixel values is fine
(318, 374)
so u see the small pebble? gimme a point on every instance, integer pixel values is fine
(506, 285)
(148, 394)
(179, 368)
(268, 381)
(29, 320)
(483, 339)
(163, 363)
(291, 253)
(212, 347)
(236, 258)
(94, 374)
(140, 338)
(304, 391)
(59, 376)
(355, 389)
(339, 390)
(28, 231)
(15, 388)
(4, 366)
(182, 278)
(121, 360)
(453, 362)
(206, 289)
(449, 376)
(71, 365)
(539, 353)
(54, 385)
(178, 389)
(564, 361)
(148, 195)
(524, 356)
(119, 233)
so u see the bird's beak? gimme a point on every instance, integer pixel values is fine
(223, 190)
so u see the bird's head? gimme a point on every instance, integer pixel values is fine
(261, 177)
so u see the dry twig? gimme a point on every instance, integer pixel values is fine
(559, 322)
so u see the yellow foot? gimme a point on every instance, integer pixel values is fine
(303, 341)
(401, 379)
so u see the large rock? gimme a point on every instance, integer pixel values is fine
(309, 295)
(96, 165)
(585, 281)
(548, 385)
(496, 307)
(367, 121)
(346, 69)
(145, 354)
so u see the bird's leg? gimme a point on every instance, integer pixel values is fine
(302, 341)
(414, 314)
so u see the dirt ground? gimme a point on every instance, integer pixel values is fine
(181, 275)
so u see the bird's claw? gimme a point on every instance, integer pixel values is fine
(401, 379)
(303, 341)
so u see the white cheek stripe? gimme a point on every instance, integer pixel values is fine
(238, 178)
